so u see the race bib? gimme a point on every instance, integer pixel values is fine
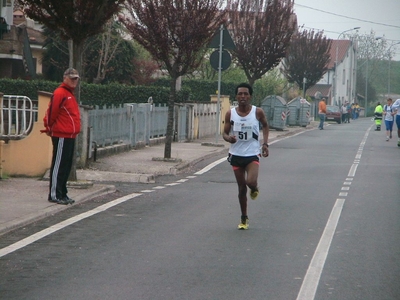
(245, 132)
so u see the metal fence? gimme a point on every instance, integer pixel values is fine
(17, 115)
(135, 124)
(131, 123)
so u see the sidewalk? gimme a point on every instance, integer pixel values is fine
(24, 200)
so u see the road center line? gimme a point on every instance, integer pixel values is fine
(45, 232)
(311, 280)
(353, 170)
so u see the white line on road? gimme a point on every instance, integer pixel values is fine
(41, 234)
(210, 166)
(311, 280)
(172, 183)
(353, 170)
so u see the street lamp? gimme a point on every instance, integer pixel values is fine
(366, 78)
(336, 60)
(389, 68)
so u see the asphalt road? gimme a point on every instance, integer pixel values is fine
(325, 226)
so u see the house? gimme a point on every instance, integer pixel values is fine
(338, 85)
(21, 44)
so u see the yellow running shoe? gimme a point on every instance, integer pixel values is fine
(244, 223)
(254, 194)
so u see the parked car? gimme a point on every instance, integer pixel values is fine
(333, 113)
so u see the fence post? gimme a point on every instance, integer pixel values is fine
(83, 137)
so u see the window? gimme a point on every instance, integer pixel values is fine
(344, 76)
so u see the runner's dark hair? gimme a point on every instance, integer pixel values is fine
(244, 85)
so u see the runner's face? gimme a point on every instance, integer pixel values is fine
(243, 96)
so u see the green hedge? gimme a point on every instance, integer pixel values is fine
(95, 94)
(27, 88)
(116, 94)
(202, 89)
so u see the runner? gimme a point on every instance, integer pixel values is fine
(241, 129)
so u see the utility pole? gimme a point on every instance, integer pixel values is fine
(366, 78)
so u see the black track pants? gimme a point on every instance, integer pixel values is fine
(61, 163)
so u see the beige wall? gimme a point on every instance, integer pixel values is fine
(225, 106)
(30, 156)
(38, 54)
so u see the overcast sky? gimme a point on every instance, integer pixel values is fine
(334, 17)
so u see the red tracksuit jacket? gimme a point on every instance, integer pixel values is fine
(62, 118)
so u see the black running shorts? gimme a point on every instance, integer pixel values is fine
(242, 161)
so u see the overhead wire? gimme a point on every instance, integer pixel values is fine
(347, 17)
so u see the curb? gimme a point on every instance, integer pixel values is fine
(54, 208)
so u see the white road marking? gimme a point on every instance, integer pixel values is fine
(172, 183)
(353, 170)
(182, 180)
(45, 232)
(311, 280)
(210, 166)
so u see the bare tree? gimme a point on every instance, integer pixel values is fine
(261, 31)
(110, 40)
(144, 71)
(175, 33)
(308, 57)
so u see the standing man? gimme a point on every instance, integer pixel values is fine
(241, 129)
(321, 113)
(353, 111)
(396, 106)
(358, 109)
(348, 112)
(344, 112)
(62, 122)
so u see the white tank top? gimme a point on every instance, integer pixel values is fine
(247, 130)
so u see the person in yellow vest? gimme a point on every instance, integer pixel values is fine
(378, 116)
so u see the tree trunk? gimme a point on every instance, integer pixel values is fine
(170, 123)
(76, 59)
